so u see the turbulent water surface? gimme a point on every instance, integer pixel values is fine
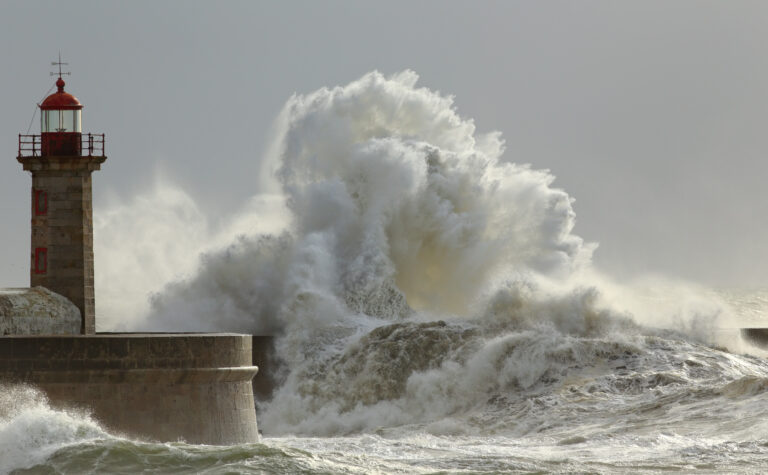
(435, 313)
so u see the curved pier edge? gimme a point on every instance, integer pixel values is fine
(195, 388)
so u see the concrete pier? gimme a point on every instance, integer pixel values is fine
(164, 387)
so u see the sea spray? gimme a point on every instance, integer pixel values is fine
(424, 282)
(31, 431)
(156, 238)
(395, 203)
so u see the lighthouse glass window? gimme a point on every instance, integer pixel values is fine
(61, 121)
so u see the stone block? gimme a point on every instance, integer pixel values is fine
(37, 311)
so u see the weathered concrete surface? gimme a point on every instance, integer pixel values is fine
(165, 387)
(37, 311)
(61, 256)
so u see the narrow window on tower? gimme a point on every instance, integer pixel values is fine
(41, 260)
(41, 203)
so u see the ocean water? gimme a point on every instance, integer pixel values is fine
(631, 402)
(436, 313)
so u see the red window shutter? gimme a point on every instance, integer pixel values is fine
(41, 203)
(41, 260)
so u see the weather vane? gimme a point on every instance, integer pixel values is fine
(60, 64)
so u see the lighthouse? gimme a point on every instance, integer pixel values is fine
(158, 386)
(61, 159)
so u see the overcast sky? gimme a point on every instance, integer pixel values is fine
(652, 114)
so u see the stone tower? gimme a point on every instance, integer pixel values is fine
(61, 160)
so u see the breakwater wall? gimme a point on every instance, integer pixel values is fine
(165, 387)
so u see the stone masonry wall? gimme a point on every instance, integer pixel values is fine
(164, 387)
(61, 257)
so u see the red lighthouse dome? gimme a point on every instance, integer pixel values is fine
(61, 100)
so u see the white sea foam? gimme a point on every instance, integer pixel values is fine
(30, 430)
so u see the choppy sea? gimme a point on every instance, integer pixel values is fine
(608, 402)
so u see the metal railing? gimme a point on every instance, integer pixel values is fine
(32, 145)
(94, 144)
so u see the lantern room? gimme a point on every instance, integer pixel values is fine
(61, 123)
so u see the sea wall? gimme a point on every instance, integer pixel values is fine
(165, 387)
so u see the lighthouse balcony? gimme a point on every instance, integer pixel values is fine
(70, 144)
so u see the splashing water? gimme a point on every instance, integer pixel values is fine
(30, 430)
(395, 204)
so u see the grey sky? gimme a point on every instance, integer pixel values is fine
(652, 114)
